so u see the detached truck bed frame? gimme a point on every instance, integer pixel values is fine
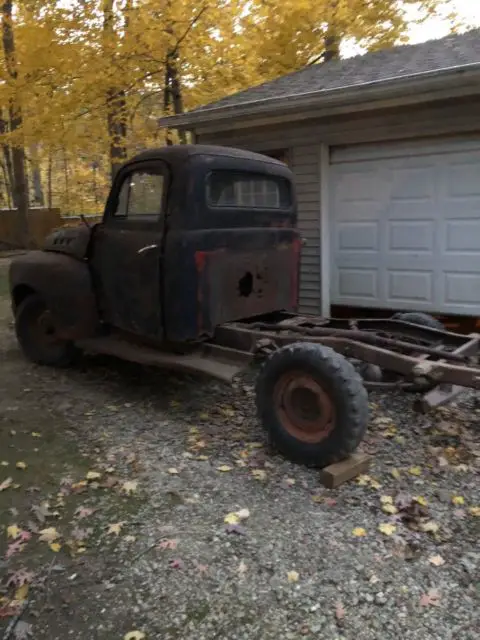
(421, 357)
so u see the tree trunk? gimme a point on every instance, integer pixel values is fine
(7, 156)
(49, 180)
(8, 196)
(115, 96)
(38, 197)
(332, 47)
(20, 185)
(173, 94)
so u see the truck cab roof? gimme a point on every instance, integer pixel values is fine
(180, 154)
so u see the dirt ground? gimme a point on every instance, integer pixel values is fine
(117, 489)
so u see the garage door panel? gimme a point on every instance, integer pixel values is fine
(462, 289)
(355, 284)
(411, 235)
(356, 236)
(405, 229)
(410, 286)
(462, 235)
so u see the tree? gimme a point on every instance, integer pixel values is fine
(18, 174)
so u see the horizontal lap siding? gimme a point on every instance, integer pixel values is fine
(304, 162)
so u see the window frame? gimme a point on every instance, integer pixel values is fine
(246, 207)
(154, 167)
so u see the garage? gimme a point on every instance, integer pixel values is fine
(404, 221)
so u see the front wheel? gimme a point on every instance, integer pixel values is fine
(312, 403)
(36, 333)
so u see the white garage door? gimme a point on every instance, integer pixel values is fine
(405, 225)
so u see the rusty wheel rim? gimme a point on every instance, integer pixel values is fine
(304, 409)
(44, 329)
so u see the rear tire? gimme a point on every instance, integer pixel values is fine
(422, 319)
(312, 403)
(35, 330)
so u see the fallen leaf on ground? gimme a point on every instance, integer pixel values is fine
(134, 635)
(55, 546)
(259, 474)
(236, 528)
(386, 499)
(395, 473)
(176, 564)
(21, 465)
(48, 535)
(5, 484)
(289, 482)
(387, 528)
(458, 500)
(129, 487)
(224, 468)
(22, 592)
(231, 518)
(42, 511)
(421, 500)
(115, 528)
(84, 512)
(93, 475)
(359, 532)
(415, 471)
(437, 560)
(24, 536)
(13, 531)
(20, 577)
(130, 538)
(339, 611)
(14, 547)
(168, 544)
(236, 516)
(390, 509)
(431, 598)
(242, 568)
(474, 511)
(81, 534)
(173, 471)
(292, 576)
(429, 527)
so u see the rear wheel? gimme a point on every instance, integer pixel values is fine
(37, 334)
(312, 403)
(422, 319)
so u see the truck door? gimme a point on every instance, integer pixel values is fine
(128, 247)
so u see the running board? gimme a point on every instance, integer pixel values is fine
(221, 363)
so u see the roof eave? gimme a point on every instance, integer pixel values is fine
(422, 85)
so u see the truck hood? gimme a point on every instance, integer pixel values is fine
(72, 241)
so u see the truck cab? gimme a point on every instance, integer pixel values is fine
(192, 237)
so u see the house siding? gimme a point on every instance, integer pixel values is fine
(303, 142)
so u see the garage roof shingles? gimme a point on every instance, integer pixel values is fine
(401, 61)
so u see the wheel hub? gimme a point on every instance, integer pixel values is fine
(305, 409)
(45, 328)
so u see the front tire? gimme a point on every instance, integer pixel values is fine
(312, 403)
(36, 334)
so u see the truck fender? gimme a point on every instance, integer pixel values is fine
(64, 283)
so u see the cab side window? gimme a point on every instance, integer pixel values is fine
(141, 195)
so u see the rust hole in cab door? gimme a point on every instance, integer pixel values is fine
(245, 285)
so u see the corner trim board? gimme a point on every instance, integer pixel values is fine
(324, 230)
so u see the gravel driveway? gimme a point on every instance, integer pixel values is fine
(393, 554)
